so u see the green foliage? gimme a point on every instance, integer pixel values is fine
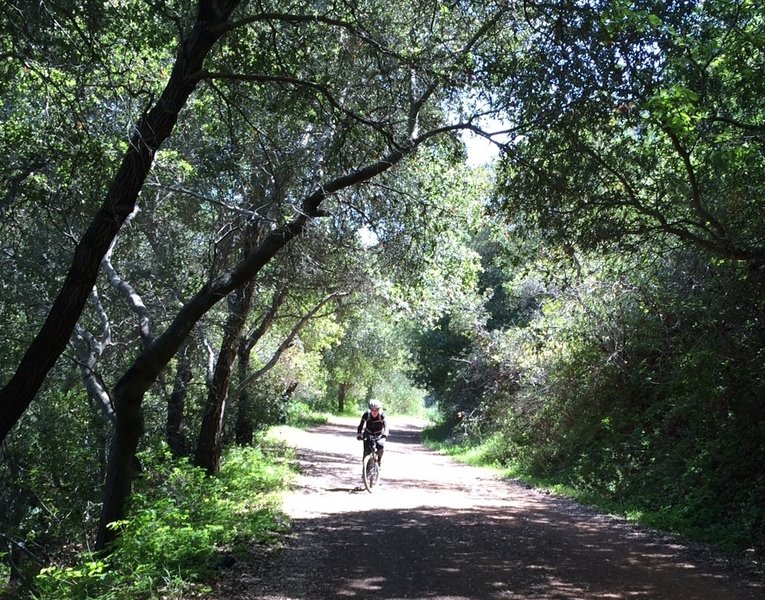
(48, 494)
(639, 389)
(301, 414)
(399, 396)
(367, 348)
(370, 359)
(179, 523)
(651, 128)
(639, 127)
(435, 350)
(624, 359)
(633, 385)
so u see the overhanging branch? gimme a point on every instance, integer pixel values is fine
(296, 82)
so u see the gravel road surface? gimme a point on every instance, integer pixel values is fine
(439, 530)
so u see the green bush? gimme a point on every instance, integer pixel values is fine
(300, 414)
(641, 393)
(178, 524)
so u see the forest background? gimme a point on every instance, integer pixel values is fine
(219, 215)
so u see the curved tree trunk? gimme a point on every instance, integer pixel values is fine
(209, 442)
(152, 130)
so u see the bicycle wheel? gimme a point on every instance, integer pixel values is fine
(370, 472)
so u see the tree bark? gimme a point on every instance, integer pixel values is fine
(174, 434)
(341, 390)
(245, 428)
(152, 130)
(209, 444)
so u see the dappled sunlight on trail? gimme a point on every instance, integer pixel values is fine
(439, 530)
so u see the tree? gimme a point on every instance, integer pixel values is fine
(366, 352)
(151, 131)
(648, 127)
(407, 122)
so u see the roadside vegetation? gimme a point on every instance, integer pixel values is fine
(221, 216)
(182, 527)
(637, 390)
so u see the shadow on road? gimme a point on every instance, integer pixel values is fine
(441, 531)
(485, 554)
(401, 432)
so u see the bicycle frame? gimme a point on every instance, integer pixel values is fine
(370, 470)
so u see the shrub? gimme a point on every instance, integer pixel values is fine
(178, 524)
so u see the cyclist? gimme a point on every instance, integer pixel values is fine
(373, 424)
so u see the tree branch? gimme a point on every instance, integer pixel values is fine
(294, 81)
(287, 342)
(703, 214)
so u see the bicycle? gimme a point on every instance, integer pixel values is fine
(370, 468)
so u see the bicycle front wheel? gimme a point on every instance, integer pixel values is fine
(370, 471)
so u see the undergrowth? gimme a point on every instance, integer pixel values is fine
(648, 510)
(180, 525)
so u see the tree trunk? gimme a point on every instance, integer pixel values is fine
(152, 130)
(245, 427)
(209, 445)
(120, 468)
(130, 389)
(174, 431)
(341, 391)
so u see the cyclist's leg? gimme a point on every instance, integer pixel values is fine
(380, 450)
(367, 447)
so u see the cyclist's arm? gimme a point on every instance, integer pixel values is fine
(360, 428)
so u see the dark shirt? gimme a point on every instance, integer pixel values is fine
(375, 425)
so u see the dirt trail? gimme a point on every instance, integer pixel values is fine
(443, 531)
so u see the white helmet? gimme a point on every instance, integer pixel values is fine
(375, 404)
